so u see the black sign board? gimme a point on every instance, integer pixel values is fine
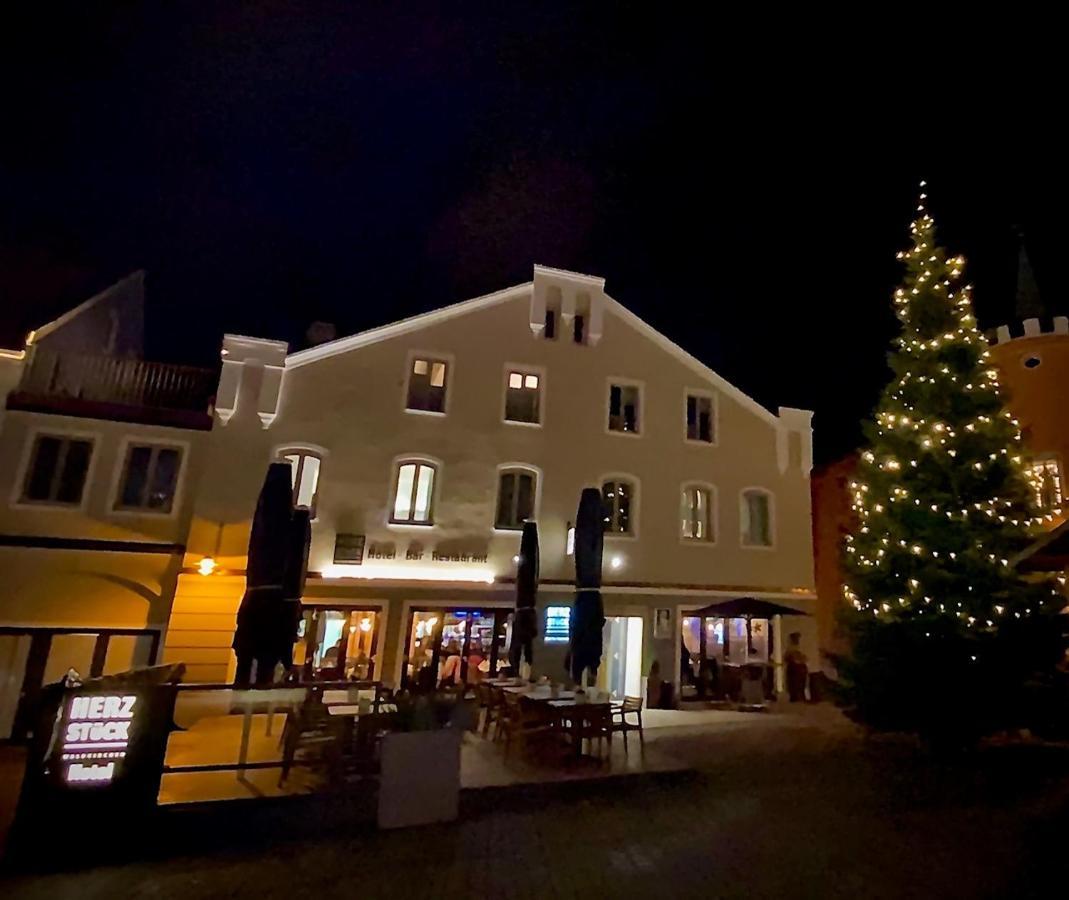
(349, 548)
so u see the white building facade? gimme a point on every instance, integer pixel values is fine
(422, 446)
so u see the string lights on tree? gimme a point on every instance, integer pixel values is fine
(942, 504)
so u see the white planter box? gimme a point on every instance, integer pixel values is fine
(420, 778)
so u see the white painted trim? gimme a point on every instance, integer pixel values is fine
(689, 392)
(16, 501)
(524, 369)
(636, 500)
(120, 467)
(771, 517)
(714, 513)
(516, 467)
(303, 449)
(432, 357)
(436, 488)
(404, 326)
(621, 381)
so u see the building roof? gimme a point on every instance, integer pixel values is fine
(455, 310)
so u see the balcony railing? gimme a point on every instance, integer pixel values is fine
(62, 379)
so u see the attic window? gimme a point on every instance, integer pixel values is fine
(427, 382)
(579, 330)
(550, 332)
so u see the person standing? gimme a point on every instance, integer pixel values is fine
(797, 669)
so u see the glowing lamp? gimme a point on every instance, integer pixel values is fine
(206, 566)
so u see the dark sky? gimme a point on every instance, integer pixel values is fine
(743, 187)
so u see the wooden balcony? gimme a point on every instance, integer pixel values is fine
(127, 390)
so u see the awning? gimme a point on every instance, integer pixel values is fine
(746, 607)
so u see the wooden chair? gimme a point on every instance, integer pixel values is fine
(518, 722)
(309, 734)
(620, 723)
(596, 725)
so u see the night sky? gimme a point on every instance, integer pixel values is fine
(744, 191)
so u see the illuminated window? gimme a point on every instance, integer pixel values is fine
(149, 478)
(413, 499)
(523, 397)
(427, 382)
(756, 516)
(624, 402)
(558, 625)
(57, 471)
(1045, 474)
(700, 419)
(304, 473)
(617, 499)
(696, 513)
(515, 498)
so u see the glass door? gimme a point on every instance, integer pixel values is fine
(452, 647)
(621, 671)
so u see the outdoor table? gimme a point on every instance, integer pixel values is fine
(541, 693)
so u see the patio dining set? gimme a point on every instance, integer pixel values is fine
(551, 716)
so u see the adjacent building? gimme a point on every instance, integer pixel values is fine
(422, 446)
(98, 466)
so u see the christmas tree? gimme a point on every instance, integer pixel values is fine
(946, 636)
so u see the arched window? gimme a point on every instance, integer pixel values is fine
(516, 489)
(304, 470)
(698, 513)
(756, 518)
(618, 502)
(413, 496)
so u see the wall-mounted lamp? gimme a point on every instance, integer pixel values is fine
(569, 541)
(206, 566)
(616, 562)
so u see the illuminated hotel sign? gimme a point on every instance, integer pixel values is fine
(558, 624)
(96, 736)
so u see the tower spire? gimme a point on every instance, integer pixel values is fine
(1029, 303)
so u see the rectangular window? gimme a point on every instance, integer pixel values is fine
(57, 470)
(427, 385)
(1045, 474)
(305, 477)
(697, 514)
(616, 497)
(149, 478)
(624, 408)
(523, 397)
(579, 330)
(756, 519)
(550, 333)
(414, 494)
(515, 499)
(699, 418)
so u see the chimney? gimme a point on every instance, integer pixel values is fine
(320, 333)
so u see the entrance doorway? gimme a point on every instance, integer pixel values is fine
(445, 647)
(337, 644)
(621, 671)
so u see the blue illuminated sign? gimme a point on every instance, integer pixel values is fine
(558, 624)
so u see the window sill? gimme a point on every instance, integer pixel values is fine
(48, 505)
(433, 413)
(697, 442)
(132, 511)
(758, 546)
(697, 542)
(628, 434)
(619, 536)
(522, 424)
(418, 526)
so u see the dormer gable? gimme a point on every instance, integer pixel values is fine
(574, 303)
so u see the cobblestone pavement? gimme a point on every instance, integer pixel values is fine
(775, 810)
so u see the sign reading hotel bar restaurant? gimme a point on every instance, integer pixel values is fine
(95, 736)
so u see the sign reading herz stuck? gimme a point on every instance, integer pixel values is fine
(95, 736)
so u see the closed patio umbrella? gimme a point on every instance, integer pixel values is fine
(256, 637)
(525, 624)
(296, 572)
(588, 612)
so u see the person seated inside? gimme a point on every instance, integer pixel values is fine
(475, 664)
(450, 674)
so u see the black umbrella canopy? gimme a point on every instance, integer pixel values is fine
(748, 608)
(588, 612)
(262, 612)
(296, 572)
(525, 623)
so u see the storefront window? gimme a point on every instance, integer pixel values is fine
(450, 647)
(338, 644)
